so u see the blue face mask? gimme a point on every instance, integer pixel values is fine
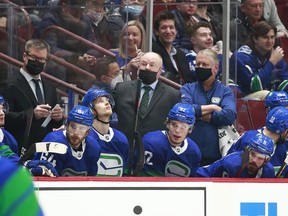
(134, 10)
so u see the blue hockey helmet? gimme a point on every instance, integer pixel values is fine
(92, 94)
(277, 120)
(262, 144)
(4, 104)
(82, 115)
(182, 112)
(276, 98)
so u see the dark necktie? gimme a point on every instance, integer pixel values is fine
(144, 101)
(38, 91)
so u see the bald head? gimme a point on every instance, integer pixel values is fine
(152, 62)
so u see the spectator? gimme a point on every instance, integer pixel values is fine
(214, 105)
(132, 45)
(171, 152)
(5, 136)
(107, 73)
(175, 65)
(271, 15)
(15, 180)
(202, 15)
(31, 98)
(69, 14)
(119, 16)
(242, 24)
(201, 38)
(253, 162)
(276, 128)
(184, 20)
(128, 95)
(114, 144)
(83, 150)
(256, 65)
(95, 10)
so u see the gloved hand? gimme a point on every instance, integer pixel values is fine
(41, 168)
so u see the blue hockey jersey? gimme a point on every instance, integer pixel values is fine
(8, 139)
(114, 152)
(248, 68)
(73, 163)
(161, 159)
(231, 166)
(277, 159)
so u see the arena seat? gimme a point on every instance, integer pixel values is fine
(257, 113)
(243, 122)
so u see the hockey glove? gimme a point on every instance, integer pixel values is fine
(41, 168)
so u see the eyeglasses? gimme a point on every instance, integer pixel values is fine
(182, 127)
(72, 127)
(34, 58)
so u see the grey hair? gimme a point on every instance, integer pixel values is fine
(38, 44)
(212, 54)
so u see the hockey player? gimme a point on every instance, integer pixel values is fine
(83, 150)
(253, 162)
(114, 144)
(276, 98)
(16, 188)
(35, 167)
(171, 152)
(276, 128)
(5, 136)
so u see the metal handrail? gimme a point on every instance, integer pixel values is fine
(77, 37)
(45, 75)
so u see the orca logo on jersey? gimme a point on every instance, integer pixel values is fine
(110, 165)
(177, 169)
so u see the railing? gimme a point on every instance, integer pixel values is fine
(77, 37)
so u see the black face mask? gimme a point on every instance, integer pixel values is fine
(147, 77)
(203, 74)
(34, 67)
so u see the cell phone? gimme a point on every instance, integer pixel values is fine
(48, 118)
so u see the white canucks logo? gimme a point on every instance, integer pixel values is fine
(110, 165)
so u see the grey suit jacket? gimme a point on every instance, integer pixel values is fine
(126, 96)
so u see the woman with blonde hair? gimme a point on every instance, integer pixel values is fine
(132, 44)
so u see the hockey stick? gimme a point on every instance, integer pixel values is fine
(46, 147)
(282, 168)
(138, 145)
(29, 118)
(132, 141)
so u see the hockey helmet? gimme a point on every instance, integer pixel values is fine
(81, 114)
(262, 144)
(276, 98)
(182, 112)
(93, 94)
(277, 120)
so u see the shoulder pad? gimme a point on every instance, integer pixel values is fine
(245, 49)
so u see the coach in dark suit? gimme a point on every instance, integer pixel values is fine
(31, 98)
(148, 97)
